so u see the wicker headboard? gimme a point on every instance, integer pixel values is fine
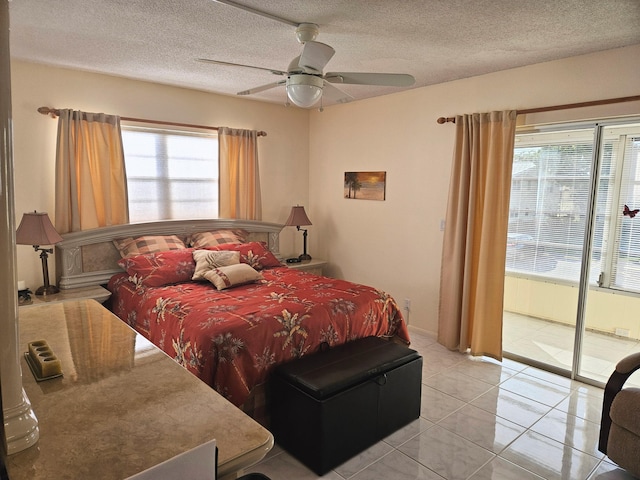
(90, 257)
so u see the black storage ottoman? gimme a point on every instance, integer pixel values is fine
(329, 406)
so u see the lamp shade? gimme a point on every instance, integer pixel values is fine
(297, 217)
(36, 229)
(304, 90)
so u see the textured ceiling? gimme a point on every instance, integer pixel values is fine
(433, 40)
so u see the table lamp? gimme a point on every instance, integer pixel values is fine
(297, 218)
(36, 229)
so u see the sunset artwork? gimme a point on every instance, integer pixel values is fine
(365, 185)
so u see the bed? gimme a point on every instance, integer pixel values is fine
(232, 325)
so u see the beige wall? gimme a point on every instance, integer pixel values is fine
(395, 245)
(283, 153)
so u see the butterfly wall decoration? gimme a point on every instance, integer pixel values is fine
(630, 213)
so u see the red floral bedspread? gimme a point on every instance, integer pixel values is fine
(232, 339)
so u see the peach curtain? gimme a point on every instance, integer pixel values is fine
(91, 184)
(475, 238)
(240, 195)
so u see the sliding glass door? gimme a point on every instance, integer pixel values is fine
(612, 295)
(573, 256)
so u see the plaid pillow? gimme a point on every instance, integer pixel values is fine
(160, 268)
(217, 237)
(129, 247)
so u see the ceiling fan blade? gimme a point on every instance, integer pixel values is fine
(229, 64)
(262, 88)
(315, 56)
(385, 79)
(334, 94)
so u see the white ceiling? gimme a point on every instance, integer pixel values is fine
(433, 40)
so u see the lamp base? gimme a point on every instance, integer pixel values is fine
(48, 290)
(304, 257)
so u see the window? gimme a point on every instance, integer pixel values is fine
(171, 175)
(551, 181)
(619, 236)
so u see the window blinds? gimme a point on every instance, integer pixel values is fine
(550, 188)
(170, 175)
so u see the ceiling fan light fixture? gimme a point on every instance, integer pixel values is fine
(307, 32)
(304, 90)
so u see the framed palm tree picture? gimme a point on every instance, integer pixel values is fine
(365, 185)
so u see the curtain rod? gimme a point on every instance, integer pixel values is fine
(54, 112)
(566, 106)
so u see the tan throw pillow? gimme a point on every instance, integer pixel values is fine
(207, 260)
(231, 276)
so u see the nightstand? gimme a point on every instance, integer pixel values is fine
(96, 292)
(312, 266)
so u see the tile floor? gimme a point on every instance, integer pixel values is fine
(480, 420)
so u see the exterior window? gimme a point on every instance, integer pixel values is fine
(171, 175)
(619, 238)
(551, 181)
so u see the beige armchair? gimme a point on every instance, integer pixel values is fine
(620, 425)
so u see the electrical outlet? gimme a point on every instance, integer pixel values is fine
(622, 332)
(407, 304)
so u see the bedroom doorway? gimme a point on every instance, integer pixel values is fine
(572, 282)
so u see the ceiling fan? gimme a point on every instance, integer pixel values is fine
(304, 79)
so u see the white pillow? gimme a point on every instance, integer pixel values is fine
(232, 275)
(207, 260)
